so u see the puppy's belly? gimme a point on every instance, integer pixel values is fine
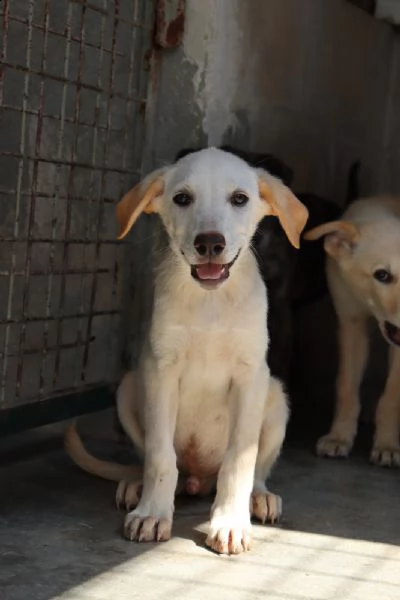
(201, 435)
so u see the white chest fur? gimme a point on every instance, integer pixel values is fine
(204, 337)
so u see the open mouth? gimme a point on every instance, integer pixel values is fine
(392, 333)
(211, 274)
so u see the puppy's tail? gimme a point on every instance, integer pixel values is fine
(95, 466)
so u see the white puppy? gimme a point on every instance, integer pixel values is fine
(202, 401)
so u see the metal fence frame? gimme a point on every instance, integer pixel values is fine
(73, 94)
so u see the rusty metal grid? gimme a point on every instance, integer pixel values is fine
(73, 86)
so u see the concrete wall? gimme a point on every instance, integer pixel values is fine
(390, 161)
(312, 85)
(320, 87)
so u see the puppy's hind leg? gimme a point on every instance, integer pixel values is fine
(264, 505)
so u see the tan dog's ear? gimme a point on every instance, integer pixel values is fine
(139, 199)
(282, 203)
(340, 236)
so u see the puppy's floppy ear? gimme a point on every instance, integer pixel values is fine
(340, 236)
(139, 199)
(282, 203)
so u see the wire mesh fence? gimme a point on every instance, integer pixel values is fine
(73, 86)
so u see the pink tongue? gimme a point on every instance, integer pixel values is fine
(209, 271)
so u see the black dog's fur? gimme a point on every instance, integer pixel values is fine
(293, 277)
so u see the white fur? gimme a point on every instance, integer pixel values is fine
(203, 377)
(202, 402)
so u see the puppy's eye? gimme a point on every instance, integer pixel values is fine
(383, 276)
(239, 199)
(183, 199)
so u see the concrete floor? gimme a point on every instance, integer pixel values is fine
(60, 534)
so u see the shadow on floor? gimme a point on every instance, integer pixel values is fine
(59, 528)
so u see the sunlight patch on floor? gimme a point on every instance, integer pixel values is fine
(283, 564)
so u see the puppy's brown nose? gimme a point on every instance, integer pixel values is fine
(209, 244)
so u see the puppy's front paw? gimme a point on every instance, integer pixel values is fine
(334, 446)
(139, 528)
(128, 494)
(229, 535)
(266, 507)
(385, 455)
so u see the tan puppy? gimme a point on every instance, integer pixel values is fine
(363, 270)
(202, 402)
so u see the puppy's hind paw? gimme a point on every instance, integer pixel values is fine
(266, 507)
(385, 456)
(128, 494)
(333, 446)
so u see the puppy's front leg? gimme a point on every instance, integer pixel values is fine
(353, 350)
(230, 528)
(151, 520)
(386, 449)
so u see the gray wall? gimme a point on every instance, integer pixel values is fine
(318, 86)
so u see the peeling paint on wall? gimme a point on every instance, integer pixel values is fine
(212, 44)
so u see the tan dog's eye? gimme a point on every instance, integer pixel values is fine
(383, 276)
(239, 199)
(183, 199)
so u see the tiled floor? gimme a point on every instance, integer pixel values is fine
(60, 534)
